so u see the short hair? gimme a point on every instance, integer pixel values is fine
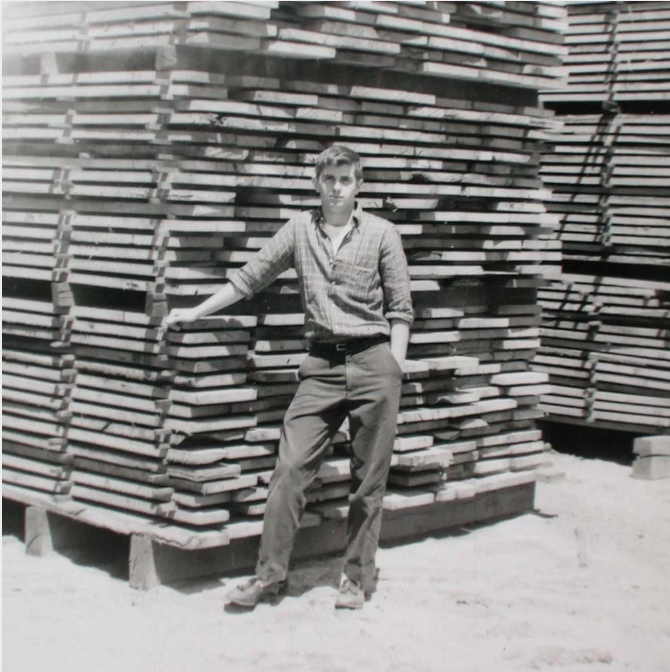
(338, 155)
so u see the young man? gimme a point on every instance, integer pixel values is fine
(354, 285)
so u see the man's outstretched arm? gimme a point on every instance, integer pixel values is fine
(226, 296)
(266, 265)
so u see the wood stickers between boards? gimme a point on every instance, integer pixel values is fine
(139, 181)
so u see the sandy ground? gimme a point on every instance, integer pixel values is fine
(583, 583)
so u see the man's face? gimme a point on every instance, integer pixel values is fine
(338, 187)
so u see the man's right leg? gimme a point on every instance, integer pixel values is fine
(314, 416)
(310, 424)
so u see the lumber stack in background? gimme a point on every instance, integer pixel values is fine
(151, 149)
(607, 320)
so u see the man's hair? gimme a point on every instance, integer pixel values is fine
(339, 155)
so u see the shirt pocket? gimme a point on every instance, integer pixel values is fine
(361, 279)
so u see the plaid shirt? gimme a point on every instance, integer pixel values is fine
(352, 293)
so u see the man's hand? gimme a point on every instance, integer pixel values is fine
(401, 362)
(225, 297)
(178, 315)
(399, 341)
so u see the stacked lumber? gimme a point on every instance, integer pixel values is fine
(151, 149)
(605, 348)
(617, 52)
(609, 175)
(605, 332)
(37, 382)
(513, 44)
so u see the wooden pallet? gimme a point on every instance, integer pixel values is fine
(161, 552)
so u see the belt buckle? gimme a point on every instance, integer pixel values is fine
(340, 347)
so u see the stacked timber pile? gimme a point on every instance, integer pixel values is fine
(151, 149)
(605, 336)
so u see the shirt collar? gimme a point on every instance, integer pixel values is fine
(356, 216)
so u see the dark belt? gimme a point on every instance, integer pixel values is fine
(351, 346)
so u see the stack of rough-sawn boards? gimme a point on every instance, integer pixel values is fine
(150, 149)
(605, 336)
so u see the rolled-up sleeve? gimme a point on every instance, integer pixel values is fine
(395, 278)
(273, 259)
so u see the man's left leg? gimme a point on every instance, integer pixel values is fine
(374, 381)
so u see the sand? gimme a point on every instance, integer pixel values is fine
(582, 583)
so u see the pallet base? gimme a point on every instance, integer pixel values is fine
(45, 532)
(653, 458)
(602, 424)
(152, 562)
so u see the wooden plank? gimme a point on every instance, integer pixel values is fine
(31, 466)
(121, 486)
(216, 487)
(36, 454)
(40, 483)
(200, 474)
(136, 505)
(129, 473)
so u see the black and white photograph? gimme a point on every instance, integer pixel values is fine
(335, 336)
